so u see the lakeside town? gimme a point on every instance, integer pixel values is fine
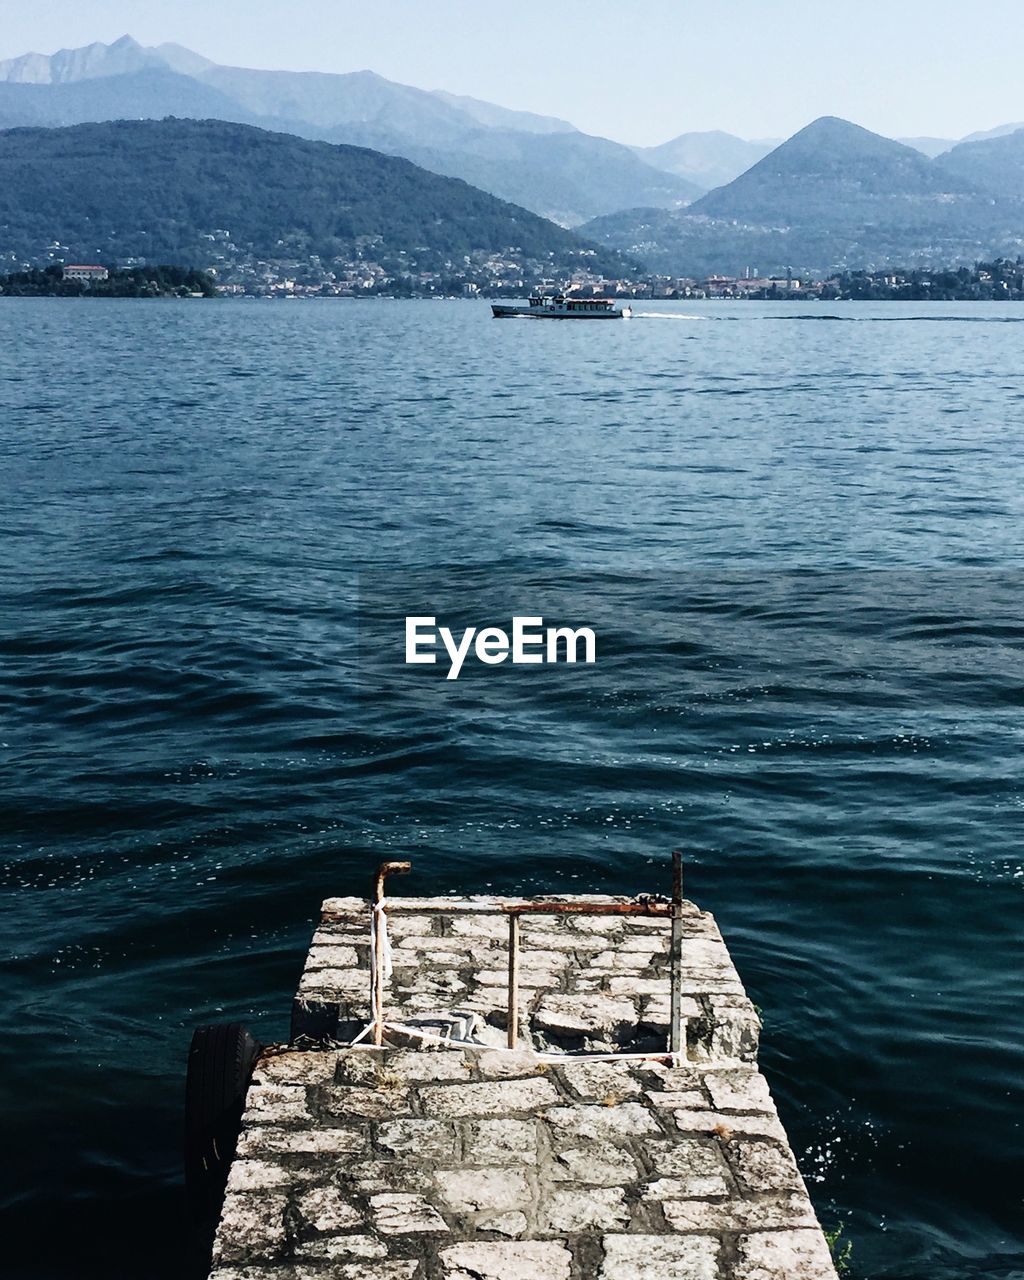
(492, 275)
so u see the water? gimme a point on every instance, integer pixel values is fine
(797, 533)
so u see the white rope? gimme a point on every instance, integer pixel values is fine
(379, 930)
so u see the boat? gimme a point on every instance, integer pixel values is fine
(556, 306)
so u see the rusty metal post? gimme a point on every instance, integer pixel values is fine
(512, 1032)
(377, 984)
(675, 1040)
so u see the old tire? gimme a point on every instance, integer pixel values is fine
(220, 1064)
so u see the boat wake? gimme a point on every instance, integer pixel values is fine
(665, 315)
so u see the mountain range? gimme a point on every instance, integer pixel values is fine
(832, 195)
(837, 195)
(193, 191)
(543, 164)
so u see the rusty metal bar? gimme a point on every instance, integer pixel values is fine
(377, 981)
(640, 907)
(675, 1034)
(512, 1033)
(658, 907)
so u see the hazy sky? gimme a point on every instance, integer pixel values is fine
(635, 70)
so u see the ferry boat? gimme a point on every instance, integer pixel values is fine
(556, 306)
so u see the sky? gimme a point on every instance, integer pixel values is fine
(638, 71)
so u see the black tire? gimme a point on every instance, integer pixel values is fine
(220, 1065)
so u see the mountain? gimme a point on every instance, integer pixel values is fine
(152, 93)
(999, 132)
(995, 164)
(930, 147)
(708, 159)
(832, 168)
(542, 164)
(165, 190)
(94, 61)
(495, 117)
(832, 195)
(565, 172)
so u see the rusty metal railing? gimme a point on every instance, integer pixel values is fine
(643, 905)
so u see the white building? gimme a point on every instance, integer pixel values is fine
(88, 275)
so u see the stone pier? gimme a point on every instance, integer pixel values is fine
(421, 1160)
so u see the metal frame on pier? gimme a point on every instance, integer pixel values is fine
(643, 905)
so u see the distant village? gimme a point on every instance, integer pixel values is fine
(374, 272)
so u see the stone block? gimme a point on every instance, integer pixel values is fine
(475, 1190)
(729, 1126)
(693, 1165)
(332, 957)
(626, 1120)
(585, 1209)
(506, 1224)
(276, 1103)
(494, 928)
(647, 1257)
(387, 1100)
(257, 1175)
(449, 947)
(659, 1076)
(601, 1081)
(251, 1229)
(505, 1065)
(584, 1014)
(628, 985)
(504, 1097)
(367, 1248)
(655, 1010)
(429, 1140)
(605, 925)
(764, 1166)
(739, 1091)
(334, 983)
(406, 1270)
(398, 1213)
(682, 1099)
(293, 1068)
(499, 1142)
(340, 913)
(434, 983)
(374, 1177)
(599, 1164)
(519, 1260)
(776, 1214)
(259, 1142)
(326, 1209)
(736, 1028)
(784, 1255)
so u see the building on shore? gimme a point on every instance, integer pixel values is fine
(86, 274)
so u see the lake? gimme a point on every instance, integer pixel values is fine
(797, 532)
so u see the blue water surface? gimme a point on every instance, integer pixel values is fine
(796, 529)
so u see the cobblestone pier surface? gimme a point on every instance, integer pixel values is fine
(408, 1162)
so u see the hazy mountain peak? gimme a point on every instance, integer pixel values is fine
(532, 160)
(834, 130)
(67, 66)
(999, 132)
(928, 146)
(834, 173)
(994, 162)
(185, 61)
(709, 158)
(492, 116)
